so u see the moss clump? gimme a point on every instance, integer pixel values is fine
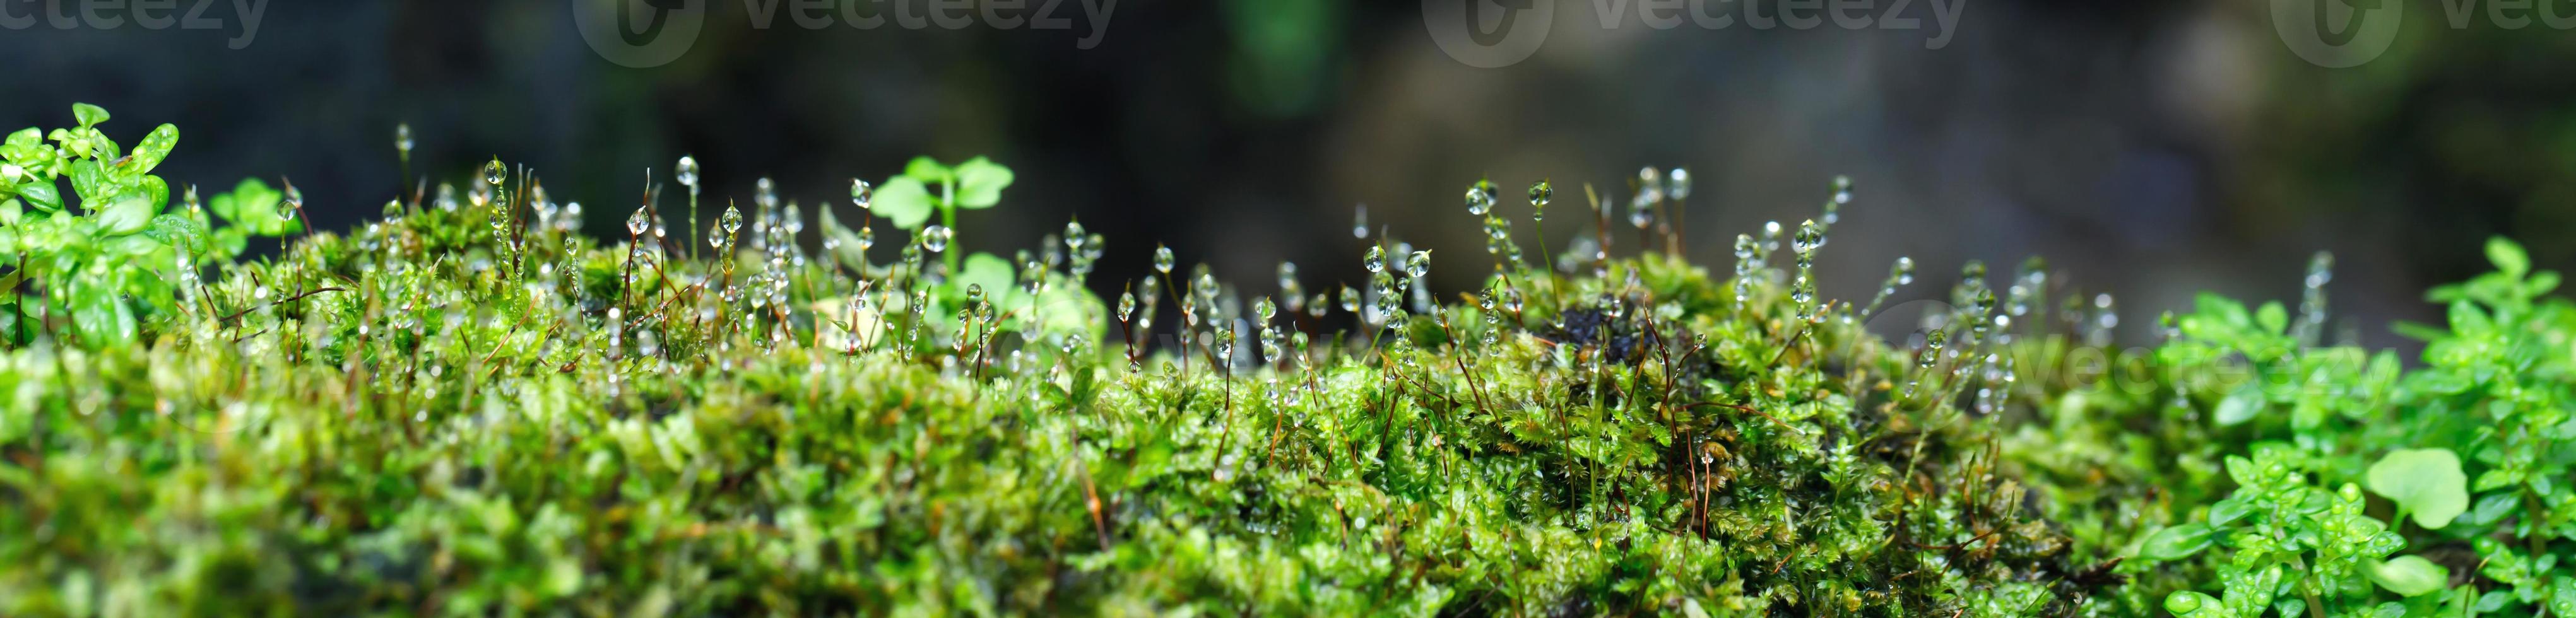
(466, 409)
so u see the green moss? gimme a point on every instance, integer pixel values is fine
(465, 409)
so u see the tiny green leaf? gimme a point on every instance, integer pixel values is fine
(2188, 603)
(904, 201)
(2240, 406)
(981, 181)
(2175, 543)
(2508, 256)
(2427, 482)
(151, 151)
(180, 232)
(2410, 575)
(2272, 318)
(126, 213)
(928, 171)
(88, 115)
(43, 195)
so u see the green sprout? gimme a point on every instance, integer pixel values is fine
(926, 185)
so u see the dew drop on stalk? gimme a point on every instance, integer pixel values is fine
(1811, 236)
(1163, 259)
(1126, 305)
(402, 139)
(1375, 261)
(1419, 266)
(934, 238)
(1350, 300)
(764, 193)
(687, 173)
(495, 173)
(294, 204)
(2098, 331)
(1678, 184)
(1540, 193)
(861, 194)
(1480, 198)
(1770, 238)
(638, 222)
(1265, 309)
(1842, 196)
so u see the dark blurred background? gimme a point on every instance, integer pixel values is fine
(2148, 148)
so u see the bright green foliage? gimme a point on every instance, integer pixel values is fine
(2426, 482)
(2471, 446)
(460, 410)
(467, 409)
(927, 187)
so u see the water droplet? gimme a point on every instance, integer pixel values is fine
(1419, 265)
(1974, 270)
(1265, 309)
(1480, 198)
(1678, 184)
(402, 138)
(1904, 271)
(1163, 259)
(636, 223)
(1126, 305)
(687, 174)
(861, 193)
(495, 173)
(1811, 236)
(1350, 300)
(867, 237)
(1375, 261)
(974, 294)
(935, 237)
(294, 203)
(1932, 343)
(764, 192)
(1540, 193)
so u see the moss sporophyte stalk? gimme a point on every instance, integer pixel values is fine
(468, 408)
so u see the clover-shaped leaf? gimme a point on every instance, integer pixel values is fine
(903, 200)
(928, 170)
(2410, 576)
(980, 182)
(2426, 482)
